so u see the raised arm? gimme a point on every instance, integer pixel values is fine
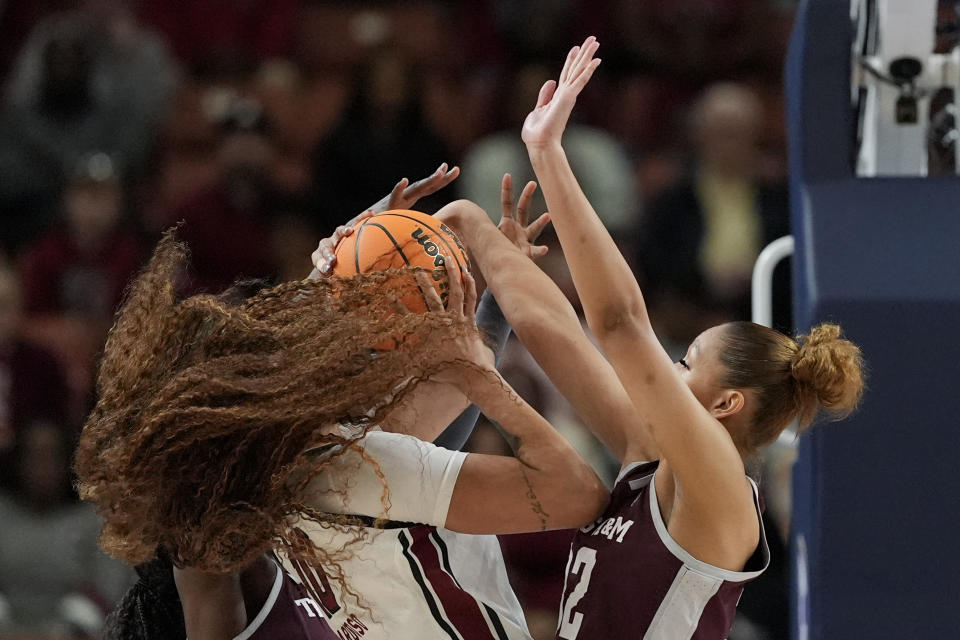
(546, 323)
(605, 283)
(694, 445)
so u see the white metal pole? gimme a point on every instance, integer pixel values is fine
(762, 294)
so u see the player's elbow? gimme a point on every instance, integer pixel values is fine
(459, 213)
(583, 498)
(618, 318)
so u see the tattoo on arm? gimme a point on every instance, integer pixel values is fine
(535, 505)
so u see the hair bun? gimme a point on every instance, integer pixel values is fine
(829, 371)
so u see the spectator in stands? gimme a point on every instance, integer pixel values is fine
(702, 236)
(383, 135)
(239, 204)
(32, 383)
(53, 579)
(134, 63)
(81, 83)
(131, 70)
(75, 274)
(17, 19)
(217, 38)
(535, 29)
(685, 40)
(81, 266)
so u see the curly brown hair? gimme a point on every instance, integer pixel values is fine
(206, 405)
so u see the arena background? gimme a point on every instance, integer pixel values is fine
(263, 124)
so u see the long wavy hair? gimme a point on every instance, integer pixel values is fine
(206, 405)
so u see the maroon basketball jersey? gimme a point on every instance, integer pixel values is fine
(288, 614)
(627, 578)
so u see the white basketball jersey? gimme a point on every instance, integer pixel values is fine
(412, 581)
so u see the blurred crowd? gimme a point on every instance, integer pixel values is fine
(261, 125)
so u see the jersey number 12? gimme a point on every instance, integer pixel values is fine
(570, 622)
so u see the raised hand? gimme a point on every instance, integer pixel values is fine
(405, 195)
(513, 220)
(545, 124)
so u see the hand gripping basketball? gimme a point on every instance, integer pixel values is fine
(462, 304)
(403, 196)
(402, 238)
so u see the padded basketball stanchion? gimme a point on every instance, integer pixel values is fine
(875, 511)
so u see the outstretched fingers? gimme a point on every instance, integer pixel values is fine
(397, 193)
(523, 204)
(546, 92)
(535, 228)
(406, 194)
(585, 74)
(461, 291)
(584, 65)
(587, 49)
(432, 183)
(568, 63)
(506, 197)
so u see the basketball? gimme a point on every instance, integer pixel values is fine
(397, 239)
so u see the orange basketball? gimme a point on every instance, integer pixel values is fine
(397, 239)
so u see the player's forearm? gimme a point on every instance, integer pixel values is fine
(426, 411)
(607, 287)
(496, 328)
(564, 486)
(550, 329)
(526, 294)
(487, 389)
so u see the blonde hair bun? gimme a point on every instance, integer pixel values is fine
(829, 371)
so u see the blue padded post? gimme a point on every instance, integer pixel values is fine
(874, 497)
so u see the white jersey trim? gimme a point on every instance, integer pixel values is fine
(698, 565)
(679, 613)
(628, 468)
(267, 607)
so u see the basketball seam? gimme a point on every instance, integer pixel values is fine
(356, 248)
(435, 232)
(392, 239)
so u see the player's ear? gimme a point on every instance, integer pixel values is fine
(727, 403)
